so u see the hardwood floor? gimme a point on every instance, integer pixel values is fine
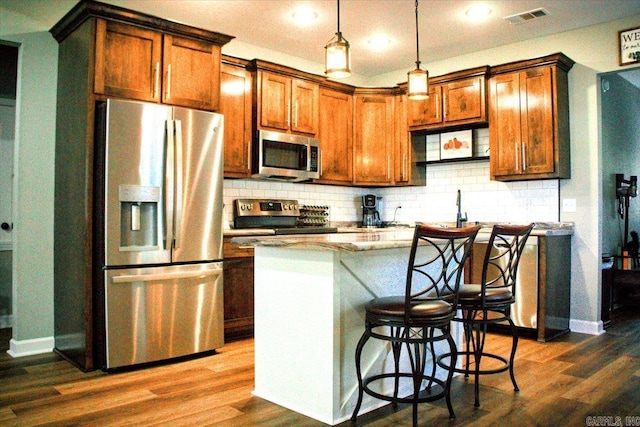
(561, 383)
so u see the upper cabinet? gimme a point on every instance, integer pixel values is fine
(235, 105)
(455, 99)
(284, 102)
(146, 58)
(529, 119)
(374, 137)
(335, 132)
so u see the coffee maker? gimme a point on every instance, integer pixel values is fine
(370, 211)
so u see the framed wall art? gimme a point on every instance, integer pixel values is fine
(629, 46)
(456, 145)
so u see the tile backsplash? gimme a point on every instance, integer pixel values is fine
(482, 199)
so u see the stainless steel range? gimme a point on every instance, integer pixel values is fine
(283, 216)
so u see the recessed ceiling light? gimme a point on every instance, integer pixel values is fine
(304, 16)
(478, 12)
(379, 42)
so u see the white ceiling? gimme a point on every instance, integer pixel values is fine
(444, 31)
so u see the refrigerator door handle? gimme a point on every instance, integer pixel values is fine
(178, 184)
(130, 278)
(169, 189)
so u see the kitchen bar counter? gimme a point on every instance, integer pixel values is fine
(310, 293)
(364, 239)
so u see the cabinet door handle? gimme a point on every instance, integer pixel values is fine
(156, 81)
(388, 167)
(524, 157)
(288, 113)
(249, 155)
(169, 81)
(517, 156)
(404, 167)
(295, 114)
(444, 107)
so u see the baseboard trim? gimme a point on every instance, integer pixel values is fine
(586, 327)
(30, 347)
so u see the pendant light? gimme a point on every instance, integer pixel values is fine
(338, 55)
(418, 79)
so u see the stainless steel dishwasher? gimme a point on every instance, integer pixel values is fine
(524, 312)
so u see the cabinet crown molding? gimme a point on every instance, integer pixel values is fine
(90, 8)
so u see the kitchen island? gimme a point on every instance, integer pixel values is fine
(310, 292)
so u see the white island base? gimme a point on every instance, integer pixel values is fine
(309, 316)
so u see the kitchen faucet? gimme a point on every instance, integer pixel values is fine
(459, 218)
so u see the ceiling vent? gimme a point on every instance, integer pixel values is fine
(519, 18)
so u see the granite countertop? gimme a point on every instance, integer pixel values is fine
(362, 239)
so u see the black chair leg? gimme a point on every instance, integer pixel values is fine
(514, 347)
(363, 339)
(454, 356)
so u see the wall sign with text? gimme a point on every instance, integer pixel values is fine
(629, 43)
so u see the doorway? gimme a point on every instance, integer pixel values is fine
(8, 89)
(620, 126)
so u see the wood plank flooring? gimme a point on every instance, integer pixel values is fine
(562, 383)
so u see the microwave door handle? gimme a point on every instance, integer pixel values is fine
(169, 186)
(178, 184)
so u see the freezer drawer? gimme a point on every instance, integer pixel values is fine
(160, 313)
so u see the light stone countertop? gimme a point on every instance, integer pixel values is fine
(363, 239)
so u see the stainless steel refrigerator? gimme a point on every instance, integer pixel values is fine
(158, 293)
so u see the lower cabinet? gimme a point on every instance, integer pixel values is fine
(238, 292)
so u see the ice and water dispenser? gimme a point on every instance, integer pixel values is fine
(139, 217)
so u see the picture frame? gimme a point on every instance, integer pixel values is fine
(629, 46)
(456, 145)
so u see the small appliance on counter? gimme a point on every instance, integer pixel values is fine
(371, 211)
(283, 216)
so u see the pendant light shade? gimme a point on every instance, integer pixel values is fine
(418, 79)
(338, 55)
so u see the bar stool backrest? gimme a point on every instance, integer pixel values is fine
(436, 263)
(502, 258)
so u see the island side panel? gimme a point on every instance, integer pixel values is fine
(296, 315)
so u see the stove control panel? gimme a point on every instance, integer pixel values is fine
(266, 207)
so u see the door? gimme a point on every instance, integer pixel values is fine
(128, 61)
(198, 195)
(335, 132)
(374, 136)
(164, 312)
(191, 73)
(138, 219)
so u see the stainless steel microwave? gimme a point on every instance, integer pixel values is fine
(286, 157)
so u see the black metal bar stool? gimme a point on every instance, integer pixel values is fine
(488, 303)
(415, 321)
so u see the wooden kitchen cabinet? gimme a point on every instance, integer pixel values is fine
(148, 65)
(529, 119)
(335, 132)
(235, 105)
(238, 291)
(287, 104)
(374, 137)
(455, 99)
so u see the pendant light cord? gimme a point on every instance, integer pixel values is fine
(417, 38)
(339, 34)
